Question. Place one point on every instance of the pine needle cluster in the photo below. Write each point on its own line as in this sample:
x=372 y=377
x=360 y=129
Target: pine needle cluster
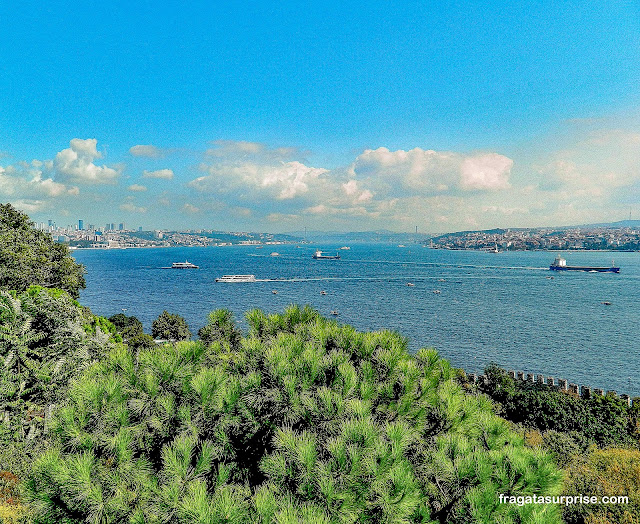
x=301 y=420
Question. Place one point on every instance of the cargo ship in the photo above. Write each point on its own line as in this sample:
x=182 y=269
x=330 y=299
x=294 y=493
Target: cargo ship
x=560 y=264
x=319 y=256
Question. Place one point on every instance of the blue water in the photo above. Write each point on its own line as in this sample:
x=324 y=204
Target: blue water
x=500 y=307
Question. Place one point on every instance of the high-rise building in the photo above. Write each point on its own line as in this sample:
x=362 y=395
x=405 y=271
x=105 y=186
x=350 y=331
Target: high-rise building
x=121 y=226
x=80 y=225
x=139 y=228
x=49 y=222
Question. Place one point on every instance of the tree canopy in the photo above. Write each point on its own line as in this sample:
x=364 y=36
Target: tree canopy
x=170 y=326
x=31 y=257
x=302 y=420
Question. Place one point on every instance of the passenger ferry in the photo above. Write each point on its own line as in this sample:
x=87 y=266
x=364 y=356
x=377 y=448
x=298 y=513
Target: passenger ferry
x=182 y=265
x=236 y=278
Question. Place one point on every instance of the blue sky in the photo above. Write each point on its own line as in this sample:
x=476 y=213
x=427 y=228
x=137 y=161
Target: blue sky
x=336 y=116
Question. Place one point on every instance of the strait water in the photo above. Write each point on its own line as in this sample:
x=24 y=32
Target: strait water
x=500 y=307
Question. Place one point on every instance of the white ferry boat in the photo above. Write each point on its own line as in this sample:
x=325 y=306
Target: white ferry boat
x=236 y=278
x=182 y=265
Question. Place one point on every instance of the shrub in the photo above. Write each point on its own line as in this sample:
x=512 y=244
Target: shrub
x=605 y=472
x=605 y=421
x=303 y=421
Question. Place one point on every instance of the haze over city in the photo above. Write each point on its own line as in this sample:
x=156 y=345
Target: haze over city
x=342 y=117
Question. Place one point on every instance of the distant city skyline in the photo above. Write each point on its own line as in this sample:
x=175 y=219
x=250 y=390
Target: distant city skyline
x=448 y=116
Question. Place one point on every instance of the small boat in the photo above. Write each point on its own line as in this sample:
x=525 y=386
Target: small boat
x=410 y=284
x=606 y=303
x=319 y=256
x=275 y=254
x=323 y=292
x=345 y=248
x=560 y=264
x=274 y=291
x=236 y=278
x=182 y=265
x=334 y=312
x=436 y=291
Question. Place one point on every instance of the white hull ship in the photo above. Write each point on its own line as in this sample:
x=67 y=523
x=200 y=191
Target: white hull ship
x=182 y=265
x=236 y=278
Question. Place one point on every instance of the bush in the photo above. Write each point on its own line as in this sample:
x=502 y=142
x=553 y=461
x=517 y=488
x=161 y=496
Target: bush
x=303 y=421
x=605 y=421
x=605 y=472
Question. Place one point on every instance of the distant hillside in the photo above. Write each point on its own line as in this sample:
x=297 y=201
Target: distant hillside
x=382 y=236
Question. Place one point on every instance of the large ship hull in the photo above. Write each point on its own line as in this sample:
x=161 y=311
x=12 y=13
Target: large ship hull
x=580 y=268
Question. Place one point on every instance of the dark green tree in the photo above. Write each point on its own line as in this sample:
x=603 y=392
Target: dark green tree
x=170 y=326
x=31 y=257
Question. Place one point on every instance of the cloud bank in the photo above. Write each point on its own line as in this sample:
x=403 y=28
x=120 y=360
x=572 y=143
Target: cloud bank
x=592 y=175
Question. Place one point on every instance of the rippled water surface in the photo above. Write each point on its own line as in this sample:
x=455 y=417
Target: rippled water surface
x=473 y=307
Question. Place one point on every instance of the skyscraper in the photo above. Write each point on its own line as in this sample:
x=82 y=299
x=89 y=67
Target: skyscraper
x=81 y=224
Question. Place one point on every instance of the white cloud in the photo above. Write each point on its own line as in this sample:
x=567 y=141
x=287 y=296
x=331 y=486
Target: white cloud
x=351 y=189
x=283 y=217
x=76 y=164
x=26 y=181
x=284 y=181
x=487 y=171
x=231 y=148
x=255 y=151
x=165 y=174
x=190 y=209
x=430 y=172
x=594 y=166
x=148 y=151
x=137 y=187
x=29 y=206
x=130 y=207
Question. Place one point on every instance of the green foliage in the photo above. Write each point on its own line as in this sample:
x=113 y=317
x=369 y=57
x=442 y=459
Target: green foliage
x=170 y=326
x=31 y=257
x=220 y=328
x=131 y=330
x=11 y=510
x=303 y=420
x=44 y=341
x=605 y=472
x=604 y=421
